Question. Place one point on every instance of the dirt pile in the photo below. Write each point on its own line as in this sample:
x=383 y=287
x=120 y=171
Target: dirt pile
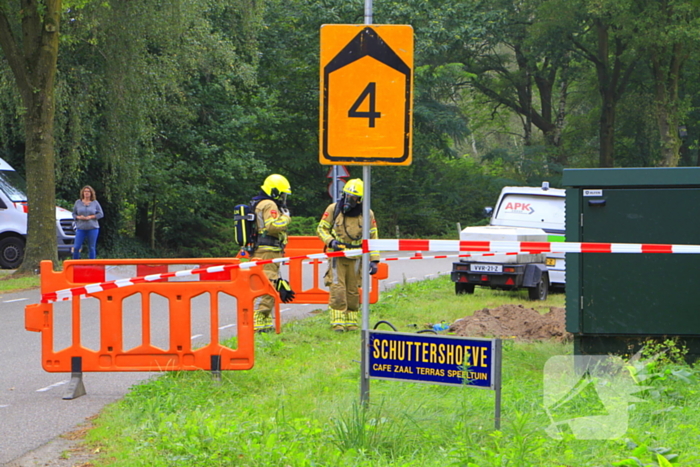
x=514 y=321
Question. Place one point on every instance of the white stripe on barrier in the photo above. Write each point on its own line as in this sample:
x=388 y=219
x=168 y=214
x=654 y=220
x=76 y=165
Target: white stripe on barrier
x=91 y=288
x=123 y=282
x=694 y=249
x=114 y=272
x=618 y=248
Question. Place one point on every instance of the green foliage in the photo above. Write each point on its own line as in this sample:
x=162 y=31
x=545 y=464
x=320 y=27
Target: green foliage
x=303 y=226
x=429 y=197
x=661 y=457
x=659 y=363
x=665 y=352
x=124 y=248
x=176 y=111
x=162 y=122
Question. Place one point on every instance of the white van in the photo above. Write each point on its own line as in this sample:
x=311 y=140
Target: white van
x=522 y=214
x=13 y=220
x=536 y=208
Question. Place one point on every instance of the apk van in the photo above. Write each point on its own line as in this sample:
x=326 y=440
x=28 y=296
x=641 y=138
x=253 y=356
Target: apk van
x=521 y=214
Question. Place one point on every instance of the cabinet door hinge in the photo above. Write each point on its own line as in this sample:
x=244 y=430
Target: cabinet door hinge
x=581 y=304
x=581 y=219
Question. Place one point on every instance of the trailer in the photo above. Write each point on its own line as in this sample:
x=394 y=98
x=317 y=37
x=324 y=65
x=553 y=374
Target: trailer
x=521 y=214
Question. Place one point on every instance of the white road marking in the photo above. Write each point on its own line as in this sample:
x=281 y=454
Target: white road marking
x=54 y=385
x=15 y=300
x=196 y=336
x=284 y=309
x=221 y=328
x=3 y=406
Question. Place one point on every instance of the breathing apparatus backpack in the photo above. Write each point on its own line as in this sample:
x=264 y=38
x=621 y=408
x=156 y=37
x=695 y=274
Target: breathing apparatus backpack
x=245 y=227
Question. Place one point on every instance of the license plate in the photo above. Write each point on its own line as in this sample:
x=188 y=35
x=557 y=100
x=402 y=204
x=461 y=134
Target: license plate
x=486 y=268
x=551 y=262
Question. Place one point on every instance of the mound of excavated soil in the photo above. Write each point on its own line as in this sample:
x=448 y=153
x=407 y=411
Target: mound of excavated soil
x=514 y=321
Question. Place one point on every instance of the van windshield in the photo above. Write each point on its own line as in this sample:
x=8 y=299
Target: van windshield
x=531 y=208
x=13 y=185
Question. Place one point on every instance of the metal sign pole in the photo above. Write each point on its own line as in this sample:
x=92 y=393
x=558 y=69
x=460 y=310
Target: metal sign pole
x=498 y=358
x=366 y=204
x=335 y=190
x=364 y=380
x=368 y=11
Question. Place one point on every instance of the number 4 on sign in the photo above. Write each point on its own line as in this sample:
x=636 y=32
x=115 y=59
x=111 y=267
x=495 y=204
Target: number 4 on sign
x=368 y=94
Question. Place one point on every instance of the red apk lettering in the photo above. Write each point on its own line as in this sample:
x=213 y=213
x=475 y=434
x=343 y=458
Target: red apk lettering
x=518 y=207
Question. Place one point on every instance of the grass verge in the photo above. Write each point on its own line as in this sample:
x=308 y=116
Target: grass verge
x=13 y=283
x=299 y=405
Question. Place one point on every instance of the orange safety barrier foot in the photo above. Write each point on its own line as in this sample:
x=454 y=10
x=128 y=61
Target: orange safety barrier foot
x=216 y=367
x=76 y=388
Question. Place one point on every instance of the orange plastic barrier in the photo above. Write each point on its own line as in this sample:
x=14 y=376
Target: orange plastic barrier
x=301 y=246
x=243 y=285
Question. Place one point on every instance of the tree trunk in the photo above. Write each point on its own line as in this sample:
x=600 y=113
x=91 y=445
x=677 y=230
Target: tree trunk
x=607 y=133
x=143 y=225
x=613 y=77
x=666 y=103
x=153 y=224
x=606 y=88
x=39 y=160
x=668 y=132
x=33 y=63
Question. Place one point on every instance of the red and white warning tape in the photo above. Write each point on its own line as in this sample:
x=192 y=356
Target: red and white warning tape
x=525 y=247
x=83 y=291
x=420 y=255
x=476 y=248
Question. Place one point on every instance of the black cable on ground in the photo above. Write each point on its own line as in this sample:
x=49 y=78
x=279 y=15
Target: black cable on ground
x=385 y=322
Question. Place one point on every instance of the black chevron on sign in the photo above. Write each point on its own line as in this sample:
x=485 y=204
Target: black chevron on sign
x=367 y=43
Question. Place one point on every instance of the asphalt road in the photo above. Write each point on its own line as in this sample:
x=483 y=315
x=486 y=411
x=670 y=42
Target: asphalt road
x=32 y=409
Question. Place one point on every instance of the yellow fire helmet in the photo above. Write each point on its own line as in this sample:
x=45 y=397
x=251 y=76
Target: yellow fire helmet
x=275 y=185
x=355 y=187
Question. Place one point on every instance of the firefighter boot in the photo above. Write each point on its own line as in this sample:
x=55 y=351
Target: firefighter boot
x=337 y=320
x=352 y=322
x=262 y=322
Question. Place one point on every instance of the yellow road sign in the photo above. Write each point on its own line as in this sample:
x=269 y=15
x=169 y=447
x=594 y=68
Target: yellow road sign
x=366 y=111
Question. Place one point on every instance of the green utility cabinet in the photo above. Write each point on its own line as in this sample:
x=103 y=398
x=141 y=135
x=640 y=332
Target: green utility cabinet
x=615 y=301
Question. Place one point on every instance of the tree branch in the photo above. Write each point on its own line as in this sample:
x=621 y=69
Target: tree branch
x=584 y=50
x=14 y=55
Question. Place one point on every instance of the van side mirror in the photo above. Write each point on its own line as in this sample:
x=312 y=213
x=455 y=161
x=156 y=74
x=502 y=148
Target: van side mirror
x=488 y=211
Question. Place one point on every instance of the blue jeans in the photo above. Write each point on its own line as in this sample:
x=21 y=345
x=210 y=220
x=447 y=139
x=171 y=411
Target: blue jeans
x=91 y=236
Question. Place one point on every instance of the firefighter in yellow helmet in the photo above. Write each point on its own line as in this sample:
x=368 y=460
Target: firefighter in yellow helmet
x=273 y=218
x=340 y=228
